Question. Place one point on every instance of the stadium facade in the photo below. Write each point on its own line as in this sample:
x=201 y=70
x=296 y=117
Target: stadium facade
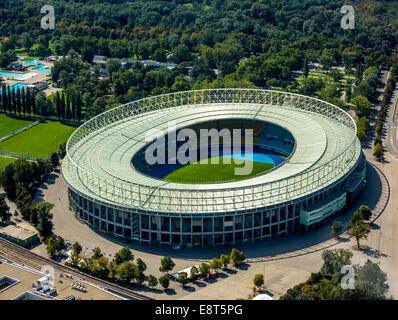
x=324 y=170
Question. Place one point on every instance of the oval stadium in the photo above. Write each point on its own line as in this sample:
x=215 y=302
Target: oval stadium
x=305 y=159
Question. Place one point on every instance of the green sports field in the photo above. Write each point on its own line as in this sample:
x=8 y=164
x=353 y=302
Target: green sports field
x=8 y=124
x=214 y=173
x=4 y=162
x=39 y=141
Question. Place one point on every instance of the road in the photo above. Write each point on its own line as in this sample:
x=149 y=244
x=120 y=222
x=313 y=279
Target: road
x=391 y=126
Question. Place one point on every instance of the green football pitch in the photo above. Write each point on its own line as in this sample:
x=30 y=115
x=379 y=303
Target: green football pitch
x=39 y=141
x=4 y=162
x=8 y=124
x=215 y=173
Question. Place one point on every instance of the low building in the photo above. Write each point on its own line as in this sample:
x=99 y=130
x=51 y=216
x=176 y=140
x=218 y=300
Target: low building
x=23 y=237
x=149 y=63
x=39 y=86
x=21 y=282
x=99 y=59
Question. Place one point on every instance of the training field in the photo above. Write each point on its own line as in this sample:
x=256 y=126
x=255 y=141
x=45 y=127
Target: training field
x=39 y=141
x=215 y=173
x=8 y=124
x=4 y=162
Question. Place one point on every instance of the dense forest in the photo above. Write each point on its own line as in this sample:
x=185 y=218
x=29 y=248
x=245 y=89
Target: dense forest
x=216 y=43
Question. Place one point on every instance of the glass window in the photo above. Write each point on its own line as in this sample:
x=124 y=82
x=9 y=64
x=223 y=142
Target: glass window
x=186 y=225
x=175 y=225
x=218 y=224
x=165 y=224
x=207 y=225
x=248 y=220
x=176 y=239
x=144 y=222
x=257 y=219
x=238 y=222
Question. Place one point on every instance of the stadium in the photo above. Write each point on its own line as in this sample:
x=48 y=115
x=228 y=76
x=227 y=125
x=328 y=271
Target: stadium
x=307 y=163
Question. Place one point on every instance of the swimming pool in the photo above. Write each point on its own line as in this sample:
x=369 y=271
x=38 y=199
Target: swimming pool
x=30 y=63
x=17 y=86
x=17 y=76
x=42 y=68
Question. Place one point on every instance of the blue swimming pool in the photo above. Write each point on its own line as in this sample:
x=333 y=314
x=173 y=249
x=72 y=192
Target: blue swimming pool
x=17 y=76
x=30 y=62
x=42 y=68
x=17 y=85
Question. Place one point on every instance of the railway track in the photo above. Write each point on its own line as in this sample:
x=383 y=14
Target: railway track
x=23 y=256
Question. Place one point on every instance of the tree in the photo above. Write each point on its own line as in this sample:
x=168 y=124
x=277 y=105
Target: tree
x=334 y=260
x=22 y=173
x=356 y=217
x=309 y=86
x=125 y=271
x=164 y=282
x=59 y=244
x=327 y=59
x=97 y=253
x=181 y=53
x=258 y=280
x=371 y=281
x=8 y=182
x=362 y=106
x=44 y=218
x=365 y=212
x=225 y=260
x=336 y=75
x=306 y=70
x=237 y=257
x=182 y=278
x=100 y=267
x=77 y=248
x=378 y=151
x=166 y=265
x=141 y=264
x=363 y=127
x=5 y=214
x=58 y=105
x=360 y=231
x=193 y=273
x=51 y=248
x=74 y=260
x=139 y=275
x=337 y=228
x=54 y=159
x=152 y=281
x=215 y=264
x=204 y=269
x=123 y=255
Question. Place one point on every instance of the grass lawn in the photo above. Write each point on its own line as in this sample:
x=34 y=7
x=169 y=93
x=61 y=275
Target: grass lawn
x=214 y=173
x=8 y=124
x=39 y=141
x=4 y=162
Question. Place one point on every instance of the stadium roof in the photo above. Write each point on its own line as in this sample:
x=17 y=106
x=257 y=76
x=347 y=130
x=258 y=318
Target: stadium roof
x=98 y=162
